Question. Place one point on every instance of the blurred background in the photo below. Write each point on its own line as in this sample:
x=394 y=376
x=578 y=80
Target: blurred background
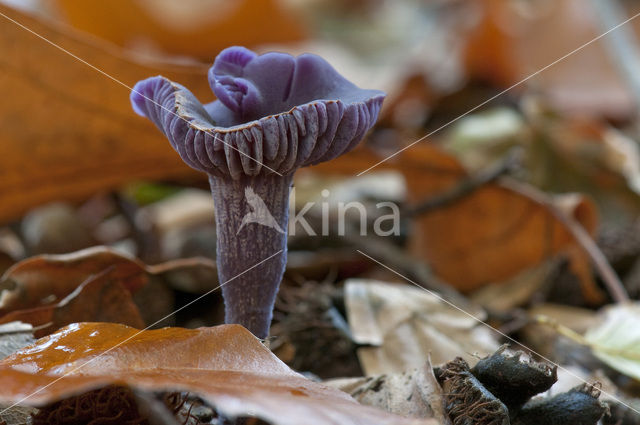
x=526 y=183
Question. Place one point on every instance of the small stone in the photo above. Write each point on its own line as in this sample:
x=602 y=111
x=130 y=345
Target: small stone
x=55 y=229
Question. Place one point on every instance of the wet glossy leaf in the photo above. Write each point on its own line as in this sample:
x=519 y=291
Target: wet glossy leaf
x=225 y=365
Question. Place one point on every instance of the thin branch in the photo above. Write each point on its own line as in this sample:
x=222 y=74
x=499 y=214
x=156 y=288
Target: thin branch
x=606 y=272
x=469 y=185
x=581 y=236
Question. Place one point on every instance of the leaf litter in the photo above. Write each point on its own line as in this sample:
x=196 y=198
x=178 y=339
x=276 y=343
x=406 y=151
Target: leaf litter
x=225 y=365
x=490 y=239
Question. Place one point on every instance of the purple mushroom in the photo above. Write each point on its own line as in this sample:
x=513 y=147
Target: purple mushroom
x=275 y=113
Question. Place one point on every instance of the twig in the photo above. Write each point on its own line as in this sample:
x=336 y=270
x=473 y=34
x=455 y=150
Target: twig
x=582 y=237
x=606 y=272
x=469 y=185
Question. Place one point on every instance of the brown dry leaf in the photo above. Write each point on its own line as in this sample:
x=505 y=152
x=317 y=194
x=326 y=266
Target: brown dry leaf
x=414 y=393
x=225 y=365
x=401 y=325
x=46 y=279
x=488 y=236
x=515 y=39
x=493 y=233
x=189 y=27
x=69 y=131
x=100 y=298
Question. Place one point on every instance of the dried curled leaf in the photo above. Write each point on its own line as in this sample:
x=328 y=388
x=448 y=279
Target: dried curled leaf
x=400 y=325
x=46 y=279
x=99 y=298
x=415 y=393
x=225 y=365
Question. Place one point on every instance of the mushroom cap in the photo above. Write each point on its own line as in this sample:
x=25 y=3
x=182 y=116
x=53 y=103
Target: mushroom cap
x=274 y=113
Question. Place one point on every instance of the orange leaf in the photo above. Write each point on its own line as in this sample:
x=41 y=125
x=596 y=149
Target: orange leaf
x=69 y=131
x=186 y=28
x=225 y=365
x=489 y=235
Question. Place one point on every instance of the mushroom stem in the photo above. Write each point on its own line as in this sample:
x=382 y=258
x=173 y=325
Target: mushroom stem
x=252 y=214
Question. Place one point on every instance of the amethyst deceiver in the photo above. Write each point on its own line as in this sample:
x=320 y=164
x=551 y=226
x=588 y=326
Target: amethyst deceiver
x=275 y=113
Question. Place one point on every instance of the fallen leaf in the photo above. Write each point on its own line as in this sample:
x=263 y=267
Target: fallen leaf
x=488 y=236
x=593 y=156
x=491 y=234
x=68 y=130
x=544 y=340
x=100 y=298
x=225 y=365
x=489 y=51
x=401 y=325
x=189 y=28
x=515 y=39
x=46 y=279
x=414 y=393
x=613 y=336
